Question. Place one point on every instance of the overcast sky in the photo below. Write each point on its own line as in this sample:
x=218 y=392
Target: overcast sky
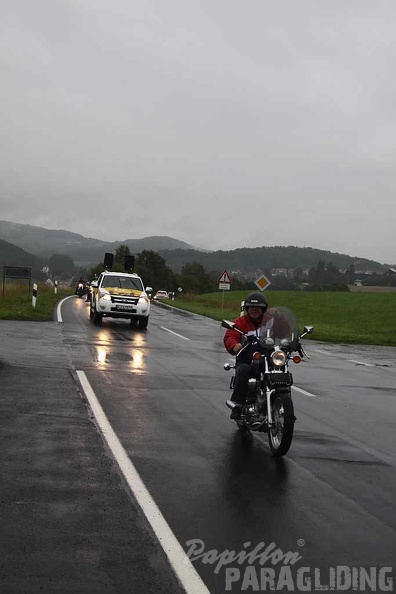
x=223 y=123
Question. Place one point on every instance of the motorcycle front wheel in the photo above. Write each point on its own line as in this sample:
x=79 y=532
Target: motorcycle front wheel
x=280 y=435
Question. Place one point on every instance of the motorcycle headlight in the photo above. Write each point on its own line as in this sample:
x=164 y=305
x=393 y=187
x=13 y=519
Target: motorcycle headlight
x=278 y=358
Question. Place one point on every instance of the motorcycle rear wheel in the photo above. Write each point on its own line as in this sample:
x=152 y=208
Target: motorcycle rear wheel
x=281 y=434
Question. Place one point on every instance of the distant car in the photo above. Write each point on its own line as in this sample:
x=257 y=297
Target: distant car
x=161 y=295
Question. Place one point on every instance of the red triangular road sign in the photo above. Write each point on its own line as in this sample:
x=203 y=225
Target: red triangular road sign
x=224 y=278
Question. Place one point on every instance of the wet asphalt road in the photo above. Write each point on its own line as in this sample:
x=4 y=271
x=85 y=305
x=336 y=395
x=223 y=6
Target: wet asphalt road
x=68 y=521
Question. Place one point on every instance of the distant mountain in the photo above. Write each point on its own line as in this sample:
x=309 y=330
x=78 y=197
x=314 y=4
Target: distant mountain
x=84 y=251
x=12 y=255
x=264 y=259
x=156 y=243
x=44 y=242
x=87 y=252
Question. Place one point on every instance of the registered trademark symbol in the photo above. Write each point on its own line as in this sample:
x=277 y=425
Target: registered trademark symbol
x=301 y=542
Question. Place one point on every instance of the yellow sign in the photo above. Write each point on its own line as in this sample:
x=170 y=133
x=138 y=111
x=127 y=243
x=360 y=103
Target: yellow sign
x=262 y=282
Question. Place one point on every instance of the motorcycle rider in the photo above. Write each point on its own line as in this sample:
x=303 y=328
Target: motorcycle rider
x=250 y=323
x=81 y=281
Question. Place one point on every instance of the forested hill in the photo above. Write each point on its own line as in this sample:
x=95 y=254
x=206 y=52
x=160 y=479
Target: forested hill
x=11 y=255
x=88 y=252
x=265 y=259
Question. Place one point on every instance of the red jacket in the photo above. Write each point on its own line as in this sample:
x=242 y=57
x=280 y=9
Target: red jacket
x=278 y=325
x=246 y=325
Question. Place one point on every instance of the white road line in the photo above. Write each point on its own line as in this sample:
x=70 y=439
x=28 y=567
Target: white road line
x=180 y=563
x=361 y=363
x=303 y=392
x=58 y=309
x=327 y=353
x=175 y=333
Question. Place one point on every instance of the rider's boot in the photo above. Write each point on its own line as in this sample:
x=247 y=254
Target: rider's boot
x=236 y=412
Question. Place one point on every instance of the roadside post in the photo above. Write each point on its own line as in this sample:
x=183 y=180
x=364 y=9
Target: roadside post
x=56 y=287
x=34 y=295
x=224 y=281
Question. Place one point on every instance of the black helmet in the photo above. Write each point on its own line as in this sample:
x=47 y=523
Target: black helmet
x=256 y=300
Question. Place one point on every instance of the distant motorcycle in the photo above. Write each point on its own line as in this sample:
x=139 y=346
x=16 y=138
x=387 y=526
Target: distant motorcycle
x=269 y=407
x=80 y=290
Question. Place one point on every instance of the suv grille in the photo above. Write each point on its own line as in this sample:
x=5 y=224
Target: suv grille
x=125 y=300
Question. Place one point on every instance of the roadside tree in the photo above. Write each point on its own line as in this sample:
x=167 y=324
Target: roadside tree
x=152 y=268
x=195 y=279
x=61 y=266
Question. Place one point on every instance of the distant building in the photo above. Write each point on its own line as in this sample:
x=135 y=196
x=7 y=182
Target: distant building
x=280 y=271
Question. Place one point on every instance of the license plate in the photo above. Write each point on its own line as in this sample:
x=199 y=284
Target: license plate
x=124 y=307
x=279 y=379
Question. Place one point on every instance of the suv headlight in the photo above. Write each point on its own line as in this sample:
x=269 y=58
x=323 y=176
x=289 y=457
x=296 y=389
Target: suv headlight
x=143 y=300
x=105 y=296
x=278 y=358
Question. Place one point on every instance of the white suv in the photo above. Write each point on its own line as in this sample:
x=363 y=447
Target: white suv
x=120 y=295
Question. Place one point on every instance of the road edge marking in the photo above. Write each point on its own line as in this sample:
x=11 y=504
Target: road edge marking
x=303 y=392
x=180 y=563
x=59 y=318
x=175 y=333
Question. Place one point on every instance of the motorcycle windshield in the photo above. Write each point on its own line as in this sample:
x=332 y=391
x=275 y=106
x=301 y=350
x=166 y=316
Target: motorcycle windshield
x=280 y=323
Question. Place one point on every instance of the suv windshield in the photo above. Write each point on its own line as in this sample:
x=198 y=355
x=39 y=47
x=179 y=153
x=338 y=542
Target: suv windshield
x=122 y=282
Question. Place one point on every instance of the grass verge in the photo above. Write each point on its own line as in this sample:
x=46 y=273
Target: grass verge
x=16 y=303
x=349 y=318
x=345 y=318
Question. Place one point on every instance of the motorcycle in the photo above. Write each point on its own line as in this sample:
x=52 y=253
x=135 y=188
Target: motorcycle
x=269 y=407
x=80 y=290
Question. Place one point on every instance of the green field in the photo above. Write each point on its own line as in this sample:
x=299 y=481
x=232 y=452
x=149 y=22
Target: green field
x=349 y=318
x=16 y=303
